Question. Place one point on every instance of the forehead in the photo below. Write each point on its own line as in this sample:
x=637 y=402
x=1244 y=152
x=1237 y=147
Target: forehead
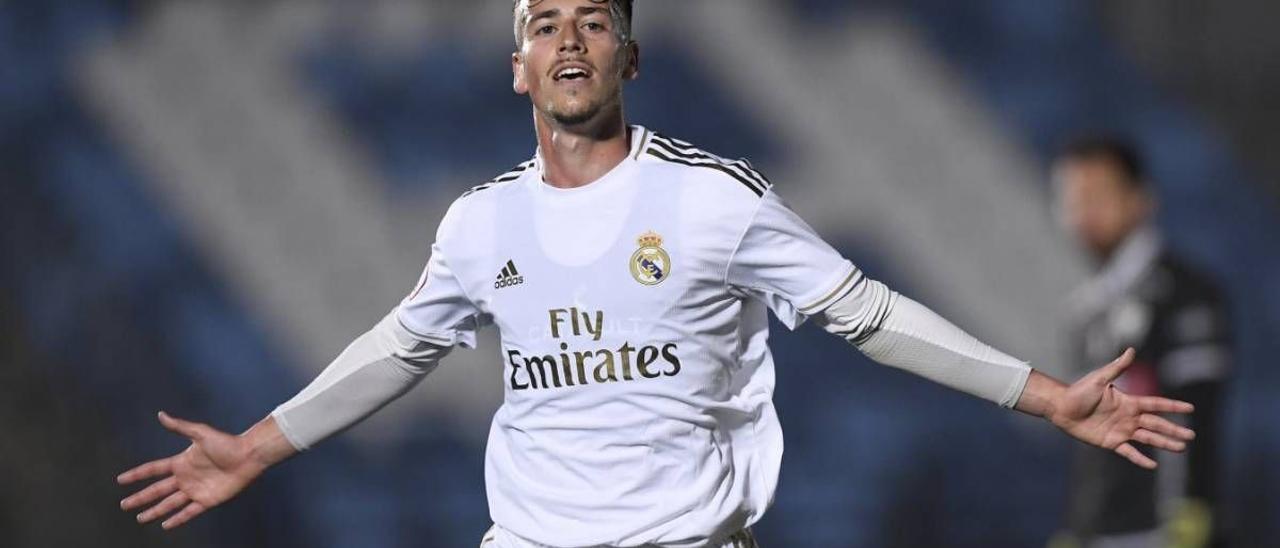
x=523 y=8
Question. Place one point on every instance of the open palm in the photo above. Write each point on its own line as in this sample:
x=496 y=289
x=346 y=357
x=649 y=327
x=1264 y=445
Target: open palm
x=1093 y=410
x=215 y=468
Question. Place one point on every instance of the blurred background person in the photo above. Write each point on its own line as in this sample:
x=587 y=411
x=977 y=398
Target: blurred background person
x=1142 y=296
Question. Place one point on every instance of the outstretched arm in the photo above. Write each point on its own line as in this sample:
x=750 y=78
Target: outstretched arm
x=375 y=369
x=781 y=260
x=896 y=331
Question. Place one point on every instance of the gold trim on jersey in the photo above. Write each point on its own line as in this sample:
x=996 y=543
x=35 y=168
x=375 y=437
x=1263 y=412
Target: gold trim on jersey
x=833 y=295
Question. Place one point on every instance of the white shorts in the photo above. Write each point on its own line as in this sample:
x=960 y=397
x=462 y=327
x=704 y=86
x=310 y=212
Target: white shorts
x=497 y=537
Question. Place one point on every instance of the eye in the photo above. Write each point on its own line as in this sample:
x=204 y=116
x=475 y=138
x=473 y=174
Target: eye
x=545 y=29
x=594 y=26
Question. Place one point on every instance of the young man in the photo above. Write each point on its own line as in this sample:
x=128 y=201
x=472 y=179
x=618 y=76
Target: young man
x=630 y=276
x=1141 y=297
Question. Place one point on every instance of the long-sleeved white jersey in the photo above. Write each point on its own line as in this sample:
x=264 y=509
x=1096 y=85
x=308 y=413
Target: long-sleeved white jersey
x=633 y=316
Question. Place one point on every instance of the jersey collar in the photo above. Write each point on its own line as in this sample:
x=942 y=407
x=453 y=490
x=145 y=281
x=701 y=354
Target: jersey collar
x=639 y=136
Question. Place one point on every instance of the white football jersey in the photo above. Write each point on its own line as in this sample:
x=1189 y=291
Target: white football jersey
x=632 y=313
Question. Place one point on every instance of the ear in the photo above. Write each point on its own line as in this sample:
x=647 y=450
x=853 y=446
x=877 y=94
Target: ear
x=518 y=83
x=632 y=71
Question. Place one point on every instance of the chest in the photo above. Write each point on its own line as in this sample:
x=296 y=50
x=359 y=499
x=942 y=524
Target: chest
x=603 y=270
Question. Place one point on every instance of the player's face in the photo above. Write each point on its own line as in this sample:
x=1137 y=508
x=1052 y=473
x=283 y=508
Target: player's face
x=572 y=62
x=1096 y=206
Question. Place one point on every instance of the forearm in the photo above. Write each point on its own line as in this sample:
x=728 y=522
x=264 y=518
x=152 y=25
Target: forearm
x=896 y=331
x=378 y=367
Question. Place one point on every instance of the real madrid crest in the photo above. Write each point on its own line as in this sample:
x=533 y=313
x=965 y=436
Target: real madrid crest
x=650 y=264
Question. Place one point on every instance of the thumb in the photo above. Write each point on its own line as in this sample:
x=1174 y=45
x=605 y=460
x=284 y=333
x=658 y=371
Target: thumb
x=1112 y=371
x=187 y=429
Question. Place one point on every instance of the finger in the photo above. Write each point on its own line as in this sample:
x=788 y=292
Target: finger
x=1113 y=370
x=166 y=506
x=1153 y=439
x=1127 y=451
x=192 y=430
x=1154 y=404
x=1161 y=425
x=192 y=510
x=149 y=495
x=158 y=467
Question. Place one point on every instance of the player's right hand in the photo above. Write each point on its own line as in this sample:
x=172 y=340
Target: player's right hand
x=215 y=468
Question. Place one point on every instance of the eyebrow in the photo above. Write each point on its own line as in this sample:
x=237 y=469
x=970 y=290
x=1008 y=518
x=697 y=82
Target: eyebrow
x=555 y=12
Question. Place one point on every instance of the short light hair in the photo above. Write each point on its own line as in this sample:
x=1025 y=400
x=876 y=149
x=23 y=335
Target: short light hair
x=619 y=11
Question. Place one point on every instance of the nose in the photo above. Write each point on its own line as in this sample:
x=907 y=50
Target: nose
x=571 y=42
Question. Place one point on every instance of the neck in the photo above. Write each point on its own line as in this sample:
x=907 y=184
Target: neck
x=574 y=156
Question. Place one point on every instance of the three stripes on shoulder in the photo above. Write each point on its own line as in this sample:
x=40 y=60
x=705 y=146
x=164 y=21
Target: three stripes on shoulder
x=674 y=151
x=680 y=152
x=507 y=177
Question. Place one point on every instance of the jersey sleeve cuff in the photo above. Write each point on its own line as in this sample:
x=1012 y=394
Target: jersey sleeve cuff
x=1019 y=384
x=831 y=290
x=285 y=428
x=839 y=284
x=465 y=338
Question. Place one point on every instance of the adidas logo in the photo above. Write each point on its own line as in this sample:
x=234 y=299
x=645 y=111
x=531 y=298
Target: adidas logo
x=508 y=277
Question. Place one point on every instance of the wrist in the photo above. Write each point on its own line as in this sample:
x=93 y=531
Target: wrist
x=259 y=459
x=1041 y=397
x=266 y=446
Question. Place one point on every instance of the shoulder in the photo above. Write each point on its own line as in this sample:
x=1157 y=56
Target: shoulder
x=727 y=178
x=473 y=206
x=490 y=190
x=505 y=179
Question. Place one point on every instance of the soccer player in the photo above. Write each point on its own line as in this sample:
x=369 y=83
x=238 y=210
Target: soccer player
x=630 y=276
x=1142 y=296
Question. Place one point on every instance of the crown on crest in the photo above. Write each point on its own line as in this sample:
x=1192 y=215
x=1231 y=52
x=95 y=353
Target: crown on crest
x=649 y=239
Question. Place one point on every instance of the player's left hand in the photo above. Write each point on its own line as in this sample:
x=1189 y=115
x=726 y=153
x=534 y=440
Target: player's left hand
x=1095 y=411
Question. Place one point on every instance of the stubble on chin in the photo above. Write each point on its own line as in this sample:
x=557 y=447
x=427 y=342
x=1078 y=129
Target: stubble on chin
x=579 y=114
x=580 y=109
x=574 y=110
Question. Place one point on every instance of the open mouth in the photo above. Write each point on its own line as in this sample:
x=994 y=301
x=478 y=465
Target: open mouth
x=572 y=74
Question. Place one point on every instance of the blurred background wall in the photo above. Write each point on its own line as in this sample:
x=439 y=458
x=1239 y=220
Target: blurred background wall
x=201 y=203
